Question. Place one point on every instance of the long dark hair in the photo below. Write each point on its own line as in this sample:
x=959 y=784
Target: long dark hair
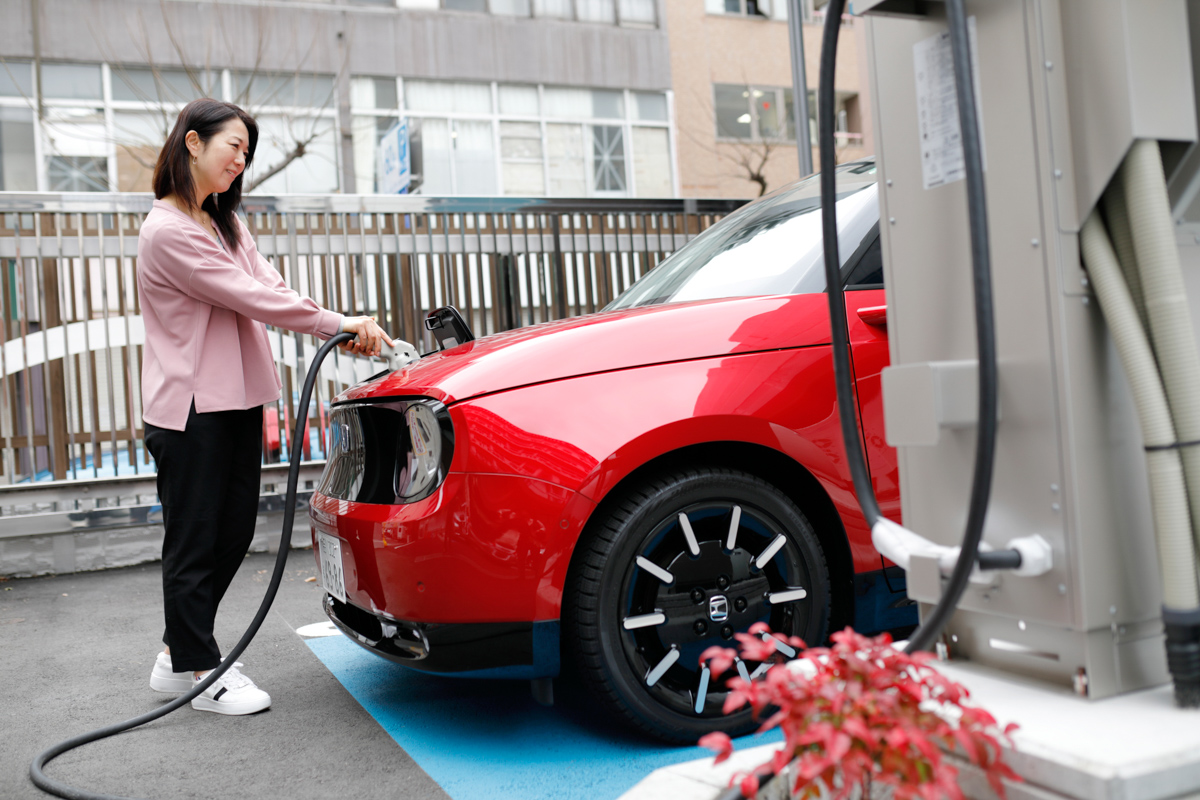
x=172 y=174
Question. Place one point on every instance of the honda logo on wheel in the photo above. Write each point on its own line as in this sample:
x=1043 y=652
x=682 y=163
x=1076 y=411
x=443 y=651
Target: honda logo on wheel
x=718 y=608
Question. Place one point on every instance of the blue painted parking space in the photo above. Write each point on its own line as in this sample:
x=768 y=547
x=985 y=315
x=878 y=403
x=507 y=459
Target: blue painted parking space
x=485 y=739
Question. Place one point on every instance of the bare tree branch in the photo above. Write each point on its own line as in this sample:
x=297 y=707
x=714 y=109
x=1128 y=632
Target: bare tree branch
x=300 y=129
x=297 y=152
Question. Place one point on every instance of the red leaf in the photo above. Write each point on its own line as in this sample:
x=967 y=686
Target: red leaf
x=719 y=658
x=838 y=746
x=857 y=728
x=750 y=785
x=967 y=744
x=734 y=700
x=719 y=743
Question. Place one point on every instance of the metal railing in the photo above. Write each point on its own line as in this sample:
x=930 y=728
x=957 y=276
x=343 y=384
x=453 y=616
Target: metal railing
x=71 y=338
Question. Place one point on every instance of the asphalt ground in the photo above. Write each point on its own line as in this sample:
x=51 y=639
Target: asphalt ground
x=76 y=652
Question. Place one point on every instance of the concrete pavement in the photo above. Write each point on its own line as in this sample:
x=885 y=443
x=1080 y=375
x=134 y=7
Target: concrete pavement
x=76 y=652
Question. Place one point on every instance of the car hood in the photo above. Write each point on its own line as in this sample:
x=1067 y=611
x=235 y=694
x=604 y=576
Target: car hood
x=607 y=341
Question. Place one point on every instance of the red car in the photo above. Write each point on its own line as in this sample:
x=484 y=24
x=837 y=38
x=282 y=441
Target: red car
x=627 y=488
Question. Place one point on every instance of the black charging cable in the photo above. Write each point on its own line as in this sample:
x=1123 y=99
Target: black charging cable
x=54 y=787
x=985 y=332
x=985 y=339
x=985 y=329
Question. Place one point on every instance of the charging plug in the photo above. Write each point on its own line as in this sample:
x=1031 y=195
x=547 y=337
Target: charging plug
x=399 y=356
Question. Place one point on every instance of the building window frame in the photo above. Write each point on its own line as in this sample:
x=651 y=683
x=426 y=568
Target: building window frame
x=495 y=117
x=783 y=104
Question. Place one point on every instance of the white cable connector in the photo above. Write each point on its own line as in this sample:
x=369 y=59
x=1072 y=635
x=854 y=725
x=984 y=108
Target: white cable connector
x=400 y=356
x=1036 y=556
x=898 y=544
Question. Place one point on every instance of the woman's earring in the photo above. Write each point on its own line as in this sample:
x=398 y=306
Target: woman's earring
x=193 y=161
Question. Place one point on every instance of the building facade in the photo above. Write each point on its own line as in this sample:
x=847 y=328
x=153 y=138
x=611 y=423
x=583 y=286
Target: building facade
x=732 y=81
x=511 y=97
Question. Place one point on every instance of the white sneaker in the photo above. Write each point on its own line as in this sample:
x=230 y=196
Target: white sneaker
x=164 y=679
x=233 y=693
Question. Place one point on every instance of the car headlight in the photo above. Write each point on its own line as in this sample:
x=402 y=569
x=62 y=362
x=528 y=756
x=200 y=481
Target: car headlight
x=392 y=451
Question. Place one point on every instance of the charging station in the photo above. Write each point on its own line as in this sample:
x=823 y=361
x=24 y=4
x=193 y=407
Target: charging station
x=1064 y=90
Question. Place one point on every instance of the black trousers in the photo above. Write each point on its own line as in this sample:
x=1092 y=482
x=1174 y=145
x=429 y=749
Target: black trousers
x=208 y=483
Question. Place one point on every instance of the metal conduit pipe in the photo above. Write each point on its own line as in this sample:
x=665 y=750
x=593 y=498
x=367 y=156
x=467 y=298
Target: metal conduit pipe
x=1168 y=493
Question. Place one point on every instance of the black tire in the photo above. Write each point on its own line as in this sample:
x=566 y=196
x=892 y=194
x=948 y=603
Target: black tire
x=617 y=590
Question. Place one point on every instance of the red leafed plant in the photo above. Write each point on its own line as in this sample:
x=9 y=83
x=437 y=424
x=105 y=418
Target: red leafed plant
x=861 y=712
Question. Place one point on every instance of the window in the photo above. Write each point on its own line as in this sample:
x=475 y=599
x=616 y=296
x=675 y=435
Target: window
x=380 y=93
x=608 y=159
x=17 y=162
x=760 y=112
x=518 y=100
x=637 y=12
x=315 y=173
x=568 y=176
x=474 y=157
x=732 y=107
x=750 y=8
x=864 y=268
x=16 y=79
x=453 y=156
x=772 y=246
x=596 y=11
x=103 y=128
x=365 y=133
x=521 y=154
x=162 y=85
x=465 y=5
x=468 y=98
x=511 y=8
x=77 y=174
x=560 y=9
x=766 y=107
x=77 y=149
x=601 y=103
x=71 y=81
x=650 y=106
x=280 y=89
x=652 y=162
x=139 y=137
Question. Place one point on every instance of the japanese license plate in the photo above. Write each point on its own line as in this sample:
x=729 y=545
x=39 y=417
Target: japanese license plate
x=332 y=579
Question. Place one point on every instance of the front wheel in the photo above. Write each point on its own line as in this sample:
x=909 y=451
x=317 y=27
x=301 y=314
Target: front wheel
x=681 y=563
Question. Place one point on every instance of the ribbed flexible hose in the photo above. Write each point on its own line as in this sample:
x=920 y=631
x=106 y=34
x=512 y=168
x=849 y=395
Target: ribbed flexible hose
x=1166 y=303
x=1117 y=215
x=1168 y=494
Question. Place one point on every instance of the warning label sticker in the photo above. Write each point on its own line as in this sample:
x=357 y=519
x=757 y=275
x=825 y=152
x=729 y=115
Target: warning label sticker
x=937 y=108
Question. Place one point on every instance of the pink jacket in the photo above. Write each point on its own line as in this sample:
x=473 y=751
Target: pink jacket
x=204 y=309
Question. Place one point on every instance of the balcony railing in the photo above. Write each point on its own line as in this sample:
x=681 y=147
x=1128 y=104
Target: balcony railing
x=72 y=334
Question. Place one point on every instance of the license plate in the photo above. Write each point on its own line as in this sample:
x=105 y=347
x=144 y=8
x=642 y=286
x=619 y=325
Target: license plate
x=332 y=579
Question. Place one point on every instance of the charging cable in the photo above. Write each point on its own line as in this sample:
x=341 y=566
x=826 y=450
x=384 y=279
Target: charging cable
x=60 y=789
x=884 y=530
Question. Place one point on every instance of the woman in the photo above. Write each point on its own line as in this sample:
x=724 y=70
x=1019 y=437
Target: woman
x=207 y=371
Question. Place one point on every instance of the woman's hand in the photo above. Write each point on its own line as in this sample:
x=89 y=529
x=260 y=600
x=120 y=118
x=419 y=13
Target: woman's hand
x=370 y=337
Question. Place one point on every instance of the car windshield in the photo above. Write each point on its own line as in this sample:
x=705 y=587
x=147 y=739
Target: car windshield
x=771 y=246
